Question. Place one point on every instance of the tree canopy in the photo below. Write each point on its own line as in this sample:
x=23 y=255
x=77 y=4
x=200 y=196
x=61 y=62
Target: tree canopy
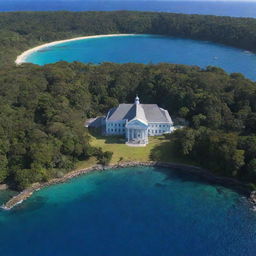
x=43 y=109
x=20 y=31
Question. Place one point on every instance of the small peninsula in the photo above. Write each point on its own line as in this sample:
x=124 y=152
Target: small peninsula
x=127 y=133
x=52 y=101
x=44 y=107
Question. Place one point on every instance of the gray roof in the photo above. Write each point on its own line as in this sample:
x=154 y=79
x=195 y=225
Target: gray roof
x=149 y=113
x=123 y=111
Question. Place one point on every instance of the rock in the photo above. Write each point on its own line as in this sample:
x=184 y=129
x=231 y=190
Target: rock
x=253 y=197
x=3 y=186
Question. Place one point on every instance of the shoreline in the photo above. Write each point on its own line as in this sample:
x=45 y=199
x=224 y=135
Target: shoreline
x=200 y=172
x=22 y=57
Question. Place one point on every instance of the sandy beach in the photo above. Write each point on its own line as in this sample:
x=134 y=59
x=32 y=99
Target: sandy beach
x=22 y=58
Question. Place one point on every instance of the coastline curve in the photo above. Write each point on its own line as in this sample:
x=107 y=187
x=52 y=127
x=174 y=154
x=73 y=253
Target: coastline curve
x=202 y=173
x=22 y=57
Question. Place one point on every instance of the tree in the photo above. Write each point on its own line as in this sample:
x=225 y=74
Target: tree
x=237 y=161
x=104 y=158
x=185 y=140
x=252 y=168
x=183 y=112
x=3 y=168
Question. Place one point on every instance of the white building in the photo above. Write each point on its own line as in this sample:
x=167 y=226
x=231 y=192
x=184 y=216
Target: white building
x=138 y=121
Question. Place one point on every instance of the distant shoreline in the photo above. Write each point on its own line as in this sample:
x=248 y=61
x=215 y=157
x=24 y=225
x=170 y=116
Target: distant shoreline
x=22 y=57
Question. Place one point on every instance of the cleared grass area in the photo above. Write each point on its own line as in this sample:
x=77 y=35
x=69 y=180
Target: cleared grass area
x=85 y=164
x=161 y=148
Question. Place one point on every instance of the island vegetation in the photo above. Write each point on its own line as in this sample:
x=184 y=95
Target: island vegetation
x=43 y=109
x=20 y=31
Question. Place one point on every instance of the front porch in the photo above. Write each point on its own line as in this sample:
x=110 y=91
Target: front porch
x=137 y=136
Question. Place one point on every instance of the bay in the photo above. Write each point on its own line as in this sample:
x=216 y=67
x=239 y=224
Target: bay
x=131 y=211
x=150 y=49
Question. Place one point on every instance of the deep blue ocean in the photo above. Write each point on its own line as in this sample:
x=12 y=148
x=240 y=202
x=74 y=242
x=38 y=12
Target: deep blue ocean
x=135 y=211
x=131 y=212
x=150 y=49
x=225 y=8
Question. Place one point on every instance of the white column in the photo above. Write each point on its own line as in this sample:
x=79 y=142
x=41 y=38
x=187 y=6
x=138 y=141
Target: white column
x=128 y=134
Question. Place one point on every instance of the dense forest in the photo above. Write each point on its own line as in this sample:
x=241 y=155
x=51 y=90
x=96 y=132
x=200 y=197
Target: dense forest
x=20 y=31
x=43 y=109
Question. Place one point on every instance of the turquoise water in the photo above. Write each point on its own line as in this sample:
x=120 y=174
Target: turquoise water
x=134 y=212
x=150 y=49
x=5 y=195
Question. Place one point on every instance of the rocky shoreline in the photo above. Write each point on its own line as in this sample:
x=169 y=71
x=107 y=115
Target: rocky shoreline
x=202 y=173
x=3 y=187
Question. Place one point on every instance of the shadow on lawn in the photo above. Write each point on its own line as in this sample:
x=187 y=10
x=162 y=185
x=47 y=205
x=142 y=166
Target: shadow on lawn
x=166 y=152
x=97 y=133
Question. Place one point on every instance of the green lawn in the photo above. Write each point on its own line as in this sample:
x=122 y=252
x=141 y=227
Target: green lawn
x=86 y=163
x=162 y=149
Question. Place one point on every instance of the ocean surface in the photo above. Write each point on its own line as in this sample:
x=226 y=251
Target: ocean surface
x=142 y=211
x=224 y=8
x=150 y=49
